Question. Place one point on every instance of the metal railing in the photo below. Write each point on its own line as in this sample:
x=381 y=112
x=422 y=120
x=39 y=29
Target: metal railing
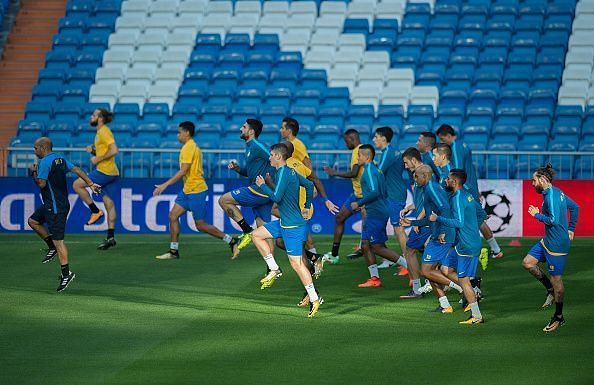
x=162 y=163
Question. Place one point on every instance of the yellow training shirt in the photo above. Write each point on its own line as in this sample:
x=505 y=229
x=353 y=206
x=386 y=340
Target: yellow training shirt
x=299 y=150
x=194 y=179
x=103 y=139
x=302 y=170
x=357 y=179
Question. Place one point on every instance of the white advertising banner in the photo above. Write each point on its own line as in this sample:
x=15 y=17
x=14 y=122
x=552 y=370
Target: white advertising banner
x=503 y=202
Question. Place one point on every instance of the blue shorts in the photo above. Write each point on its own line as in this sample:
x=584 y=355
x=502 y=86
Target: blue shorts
x=293 y=236
x=451 y=259
x=466 y=266
x=436 y=252
x=196 y=203
x=110 y=184
x=352 y=198
x=374 y=230
x=556 y=263
x=260 y=205
x=395 y=207
x=417 y=241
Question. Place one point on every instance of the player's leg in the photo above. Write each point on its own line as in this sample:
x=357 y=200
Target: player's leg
x=229 y=202
x=556 y=266
x=444 y=304
x=373 y=231
x=371 y=261
x=111 y=222
x=178 y=209
x=36 y=221
x=261 y=237
x=297 y=263
x=530 y=263
x=466 y=269
x=342 y=216
x=57 y=226
x=80 y=187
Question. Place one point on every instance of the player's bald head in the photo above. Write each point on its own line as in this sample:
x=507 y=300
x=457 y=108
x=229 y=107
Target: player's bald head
x=424 y=170
x=44 y=143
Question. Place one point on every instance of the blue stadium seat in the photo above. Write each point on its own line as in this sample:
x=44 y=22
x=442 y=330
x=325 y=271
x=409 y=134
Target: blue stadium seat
x=126 y=112
x=336 y=97
x=331 y=116
x=307 y=97
x=284 y=78
x=225 y=79
x=38 y=111
x=237 y=42
x=155 y=113
x=313 y=79
x=74 y=94
x=360 y=115
x=197 y=77
x=266 y=43
x=304 y=114
x=258 y=60
x=501 y=166
x=356 y=26
x=45 y=94
x=185 y=111
x=254 y=78
x=208 y=43
x=67 y=111
x=60 y=132
x=51 y=77
x=220 y=96
x=250 y=96
x=190 y=95
x=277 y=97
x=272 y=114
x=289 y=62
x=214 y=114
x=66 y=41
x=209 y=132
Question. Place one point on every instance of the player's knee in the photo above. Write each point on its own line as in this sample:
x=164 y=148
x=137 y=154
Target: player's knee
x=224 y=200
x=32 y=222
x=173 y=217
x=528 y=263
x=200 y=225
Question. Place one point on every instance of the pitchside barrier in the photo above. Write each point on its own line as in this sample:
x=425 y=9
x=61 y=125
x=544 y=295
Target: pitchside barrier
x=505 y=200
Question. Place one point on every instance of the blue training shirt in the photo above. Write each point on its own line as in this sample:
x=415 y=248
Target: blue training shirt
x=256 y=163
x=427 y=158
x=554 y=217
x=436 y=200
x=53 y=169
x=373 y=187
x=418 y=198
x=392 y=166
x=464 y=220
x=286 y=195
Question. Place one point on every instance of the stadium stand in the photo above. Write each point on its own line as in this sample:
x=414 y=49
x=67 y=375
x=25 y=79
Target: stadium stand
x=508 y=75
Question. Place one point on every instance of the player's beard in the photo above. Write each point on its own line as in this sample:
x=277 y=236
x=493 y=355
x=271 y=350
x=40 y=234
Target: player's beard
x=94 y=123
x=449 y=188
x=538 y=189
x=243 y=136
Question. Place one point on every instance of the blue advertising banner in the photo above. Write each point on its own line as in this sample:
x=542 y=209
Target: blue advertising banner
x=140 y=212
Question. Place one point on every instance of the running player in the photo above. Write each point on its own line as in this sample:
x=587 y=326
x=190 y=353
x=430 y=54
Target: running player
x=106 y=174
x=468 y=245
x=441 y=240
x=352 y=142
x=462 y=158
x=418 y=236
x=50 y=176
x=289 y=130
x=375 y=202
x=292 y=225
x=392 y=166
x=193 y=195
x=554 y=247
x=425 y=144
x=256 y=163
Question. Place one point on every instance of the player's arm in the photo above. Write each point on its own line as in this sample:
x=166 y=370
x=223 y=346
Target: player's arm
x=348 y=174
x=422 y=220
x=307 y=163
x=322 y=191
x=387 y=160
x=112 y=150
x=183 y=170
x=83 y=175
x=233 y=165
x=280 y=189
x=574 y=210
x=309 y=188
x=554 y=209
x=457 y=220
x=373 y=194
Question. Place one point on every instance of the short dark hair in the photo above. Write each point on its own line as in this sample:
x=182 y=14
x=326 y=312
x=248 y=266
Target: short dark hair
x=282 y=149
x=255 y=125
x=105 y=115
x=351 y=131
x=459 y=175
x=291 y=124
x=444 y=149
x=429 y=138
x=368 y=147
x=386 y=132
x=446 y=129
x=413 y=153
x=546 y=171
x=189 y=127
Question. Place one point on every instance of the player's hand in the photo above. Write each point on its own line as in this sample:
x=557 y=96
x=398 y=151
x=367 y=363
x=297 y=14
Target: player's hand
x=33 y=170
x=306 y=213
x=268 y=179
x=432 y=217
x=260 y=180
x=416 y=229
x=90 y=149
x=404 y=221
x=329 y=170
x=95 y=160
x=96 y=188
x=159 y=188
x=441 y=238
x=332 y=207
x=533 y=210
x=571 y=234
x=355 y=206
x=233 y=166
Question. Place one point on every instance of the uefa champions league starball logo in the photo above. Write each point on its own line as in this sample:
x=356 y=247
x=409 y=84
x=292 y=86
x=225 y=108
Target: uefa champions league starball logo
x=498 y=208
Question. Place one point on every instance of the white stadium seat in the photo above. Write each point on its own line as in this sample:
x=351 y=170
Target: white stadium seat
x=163 y=6
x=134 y=23
x=192 y=7
x=304 y=8
x=135 y=7
x=124 y=39
x=158 y=23
x=219 y=8
x=248 y=8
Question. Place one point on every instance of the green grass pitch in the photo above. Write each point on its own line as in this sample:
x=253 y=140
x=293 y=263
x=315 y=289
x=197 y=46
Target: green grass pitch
x=129 y=319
